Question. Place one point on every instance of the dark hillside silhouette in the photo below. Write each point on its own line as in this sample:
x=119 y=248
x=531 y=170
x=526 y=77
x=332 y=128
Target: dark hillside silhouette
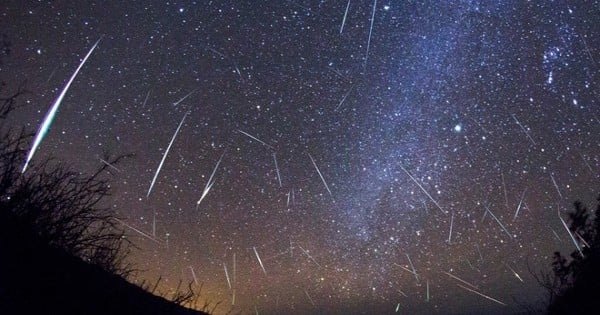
x=36 y=278
x=61 y=251
x=574 y=286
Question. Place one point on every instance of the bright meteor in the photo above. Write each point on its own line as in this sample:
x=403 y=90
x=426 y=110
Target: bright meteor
x=45 y=126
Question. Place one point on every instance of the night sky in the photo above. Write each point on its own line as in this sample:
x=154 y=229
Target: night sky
x=367 y=154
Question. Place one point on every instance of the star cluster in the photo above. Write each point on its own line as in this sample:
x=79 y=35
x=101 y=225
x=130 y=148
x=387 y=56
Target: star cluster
x=336 y=156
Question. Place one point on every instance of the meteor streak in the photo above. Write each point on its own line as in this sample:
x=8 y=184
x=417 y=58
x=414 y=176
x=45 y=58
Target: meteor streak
x=451 y=224
x=110 y=165
x=165 y=156
x=277 y=169
x=523 y=129
x=138 y=231
x=370 y=32
x=499 y=223
x=194 y=275
x=514 y=272
x=461 y=280
x=210 y=182
x=344 y=98
x=146 y=99
x=570 y=234
x=259 y=261
x=555 y=185
x=320 y=175
x=520 y=203
x=309 y=256
x=227 y=276
x=45 y=126
x=413 y=268
x=423 y=189
x=481 y=294
x=255 y=138
x=344 y=19
x=183 y=98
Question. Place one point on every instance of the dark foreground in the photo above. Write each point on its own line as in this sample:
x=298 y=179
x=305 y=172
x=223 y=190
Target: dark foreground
x=38 y=279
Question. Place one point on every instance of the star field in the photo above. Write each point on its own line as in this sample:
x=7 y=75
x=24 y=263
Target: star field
x=335 y=156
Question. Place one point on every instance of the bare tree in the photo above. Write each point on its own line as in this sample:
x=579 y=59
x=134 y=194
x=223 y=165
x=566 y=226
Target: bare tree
x=574 y=281
x=62 y=207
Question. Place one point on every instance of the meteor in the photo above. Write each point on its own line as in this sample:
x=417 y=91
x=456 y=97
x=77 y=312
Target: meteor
x=255 y=138
x=165 y=156
x=344 y=19
x=370 y=32
x=259 y=261
x=210 y=182
x=277 y=169
x=423 y=189
x=227 y=275
x=183 y=98
x=481 y=294
x=45 y=126
x=320 y=175
x=570 y=234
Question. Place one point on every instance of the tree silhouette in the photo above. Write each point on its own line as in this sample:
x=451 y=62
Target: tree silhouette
x=60 y=206
x=574 y=285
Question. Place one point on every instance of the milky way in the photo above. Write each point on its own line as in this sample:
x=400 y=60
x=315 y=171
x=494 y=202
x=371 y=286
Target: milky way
x=336 y=156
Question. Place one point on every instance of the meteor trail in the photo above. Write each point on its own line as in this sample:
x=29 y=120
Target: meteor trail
x=277 y=169
x=570 y=234
x=259 y=261
x=183 y=98
x=504 y=188
x=423 y=189
x=255 y=138
x=321 y=175
x=479 y=251
x=499 y=223
x=165 y=156
x=210 y=182
x=344 y=98
x=110 y=165
x=514 y=272
x=370 y=32
x=523 y=128
x=461 y=280
x=406 y=269
x=413 y=268
x=233 y=268
x=309 y=256
x=450 y=234
x=555 y=185
x=309 y=298
x=237 y=70
x=344 y=19
x=45 y=126
x=481 y=294
x=146 y=99
x=227 y=276
x=52 y=74
x=215 y=51
x=520 y=203
x=194 y=275
x=138 y=231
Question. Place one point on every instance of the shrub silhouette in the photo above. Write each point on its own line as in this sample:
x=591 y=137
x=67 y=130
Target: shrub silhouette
x=574 y=285
x=60 y=206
